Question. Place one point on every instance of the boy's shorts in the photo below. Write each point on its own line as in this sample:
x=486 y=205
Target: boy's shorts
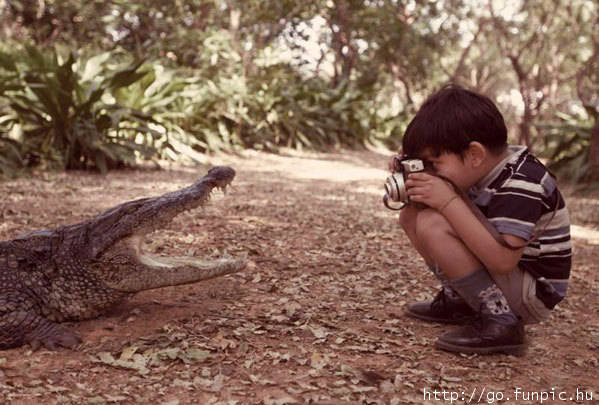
x=519 y=288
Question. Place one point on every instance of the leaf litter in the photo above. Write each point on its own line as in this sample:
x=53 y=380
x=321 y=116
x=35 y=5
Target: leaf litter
x=316 y=318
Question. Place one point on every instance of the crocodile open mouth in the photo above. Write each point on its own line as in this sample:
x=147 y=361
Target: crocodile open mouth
x=117 y=234
x=169 y=262
x=145 y=271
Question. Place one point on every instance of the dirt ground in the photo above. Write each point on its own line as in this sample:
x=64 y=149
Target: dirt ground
x=316 y=318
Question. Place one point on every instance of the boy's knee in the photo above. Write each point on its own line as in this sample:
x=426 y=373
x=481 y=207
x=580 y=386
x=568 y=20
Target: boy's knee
x=407 y=220
x=430 y=224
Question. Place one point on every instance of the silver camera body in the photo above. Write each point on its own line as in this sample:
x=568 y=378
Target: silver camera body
x=395 y=185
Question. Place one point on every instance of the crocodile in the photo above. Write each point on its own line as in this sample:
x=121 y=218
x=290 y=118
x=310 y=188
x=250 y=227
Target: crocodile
x=81 y=271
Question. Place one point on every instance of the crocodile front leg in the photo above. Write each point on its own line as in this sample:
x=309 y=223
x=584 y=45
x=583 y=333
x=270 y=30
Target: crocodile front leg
x=20 y=323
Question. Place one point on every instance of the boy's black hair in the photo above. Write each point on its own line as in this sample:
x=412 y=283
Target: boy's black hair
x=452 y=118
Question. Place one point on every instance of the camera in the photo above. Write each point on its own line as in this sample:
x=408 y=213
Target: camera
x=395 y=185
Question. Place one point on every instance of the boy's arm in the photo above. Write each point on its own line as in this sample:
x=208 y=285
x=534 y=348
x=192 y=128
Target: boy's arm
x=439 y=195
x=496 y=257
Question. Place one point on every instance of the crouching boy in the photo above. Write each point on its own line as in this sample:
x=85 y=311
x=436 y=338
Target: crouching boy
x=492 y=285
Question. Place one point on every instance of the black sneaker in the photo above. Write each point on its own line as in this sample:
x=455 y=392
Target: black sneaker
x=485 y=336
x=442 y=310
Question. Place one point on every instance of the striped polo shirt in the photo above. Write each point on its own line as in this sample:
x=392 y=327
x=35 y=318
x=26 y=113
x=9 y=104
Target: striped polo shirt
x=520 y=197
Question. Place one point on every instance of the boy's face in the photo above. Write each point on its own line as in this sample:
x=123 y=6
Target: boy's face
x=453 y=167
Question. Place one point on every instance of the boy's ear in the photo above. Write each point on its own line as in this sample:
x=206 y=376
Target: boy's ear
x=477 y=153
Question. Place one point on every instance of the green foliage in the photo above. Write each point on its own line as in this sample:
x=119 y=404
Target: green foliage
x=223 y=106
x=11 y=158
x=278 y=108
x=63 y=109
x=231 y=74
x=168 y=96
x=99 y=113
x=567 y=147
x=309 y=114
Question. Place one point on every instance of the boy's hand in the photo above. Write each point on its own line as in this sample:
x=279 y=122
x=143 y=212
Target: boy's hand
x=430 y=190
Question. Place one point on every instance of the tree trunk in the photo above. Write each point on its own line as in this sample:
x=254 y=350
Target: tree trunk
x=524 y=127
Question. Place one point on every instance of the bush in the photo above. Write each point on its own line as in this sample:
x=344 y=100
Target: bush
x=567 y=145
x=63 y=109
x=106 y=111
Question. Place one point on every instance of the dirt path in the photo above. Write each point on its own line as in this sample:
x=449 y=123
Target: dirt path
x=316 y=318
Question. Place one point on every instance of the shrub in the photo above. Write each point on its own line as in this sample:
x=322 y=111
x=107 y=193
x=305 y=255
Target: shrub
x=63 y=109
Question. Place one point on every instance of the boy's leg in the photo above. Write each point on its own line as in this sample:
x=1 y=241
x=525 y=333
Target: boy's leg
x=407 y=220
x=500 y=330
x=519 y=287
x=448 y=306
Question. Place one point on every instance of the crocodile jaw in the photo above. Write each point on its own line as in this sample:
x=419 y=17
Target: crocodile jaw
x=121 y=262
x=147 y=215
x=126 y=268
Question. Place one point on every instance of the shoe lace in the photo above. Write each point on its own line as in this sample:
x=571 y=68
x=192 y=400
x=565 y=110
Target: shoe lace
x=440 y=300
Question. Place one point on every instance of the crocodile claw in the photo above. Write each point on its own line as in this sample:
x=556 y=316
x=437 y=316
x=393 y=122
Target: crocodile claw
x=55 y=339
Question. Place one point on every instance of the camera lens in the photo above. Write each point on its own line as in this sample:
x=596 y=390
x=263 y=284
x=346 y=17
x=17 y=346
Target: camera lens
x=395 y=188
